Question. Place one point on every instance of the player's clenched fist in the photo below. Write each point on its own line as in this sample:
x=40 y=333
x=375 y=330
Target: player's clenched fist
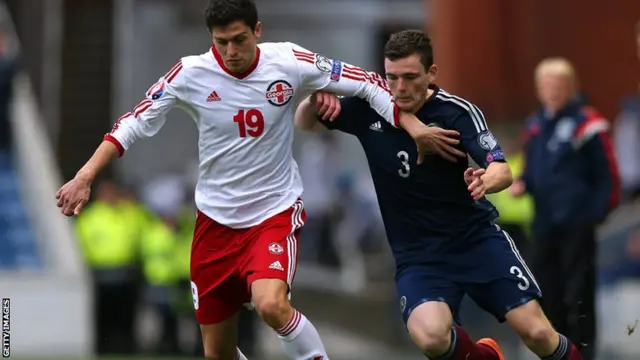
x=73 y=196
x=327 y=105
x=475 y=185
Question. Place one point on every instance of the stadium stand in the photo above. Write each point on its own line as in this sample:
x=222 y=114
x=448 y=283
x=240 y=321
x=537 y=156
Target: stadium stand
x=17 y=239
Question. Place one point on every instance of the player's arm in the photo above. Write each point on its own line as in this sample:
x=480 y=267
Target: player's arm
x=497 y=177
x=307 y=117
x=144 y=120
x=593 y=139
x=317 y=72
x=478 y=141
x=349 y=112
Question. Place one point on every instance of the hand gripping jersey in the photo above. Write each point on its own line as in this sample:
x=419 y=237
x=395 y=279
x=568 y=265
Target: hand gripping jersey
x=247 y=172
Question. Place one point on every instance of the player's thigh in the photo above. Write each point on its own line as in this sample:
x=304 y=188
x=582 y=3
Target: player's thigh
x=274 y=251
x=220 y=339
x=429 y=304
x=505 y=281
x=217 y=288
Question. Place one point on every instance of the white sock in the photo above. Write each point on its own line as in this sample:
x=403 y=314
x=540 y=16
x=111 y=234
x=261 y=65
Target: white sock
x=300 y=339
x=241 y=355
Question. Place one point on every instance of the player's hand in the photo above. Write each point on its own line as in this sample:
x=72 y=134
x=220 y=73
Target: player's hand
x=518 y=188
x=327 y=105
x=74 y=195
x=432 y=139
x=475 y=185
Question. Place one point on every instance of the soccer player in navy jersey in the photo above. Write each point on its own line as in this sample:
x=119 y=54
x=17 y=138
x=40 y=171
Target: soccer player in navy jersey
x=439 y=225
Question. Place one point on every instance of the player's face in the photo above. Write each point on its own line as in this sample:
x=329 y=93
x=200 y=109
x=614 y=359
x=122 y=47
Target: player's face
x=236 y=43
x=409 y=81
x=555 y=91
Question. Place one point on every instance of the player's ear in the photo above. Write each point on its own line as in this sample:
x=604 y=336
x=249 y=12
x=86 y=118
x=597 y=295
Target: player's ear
x=432 y=72
x=257 y=31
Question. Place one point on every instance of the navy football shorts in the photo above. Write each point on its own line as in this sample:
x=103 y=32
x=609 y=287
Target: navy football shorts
x=489 y=270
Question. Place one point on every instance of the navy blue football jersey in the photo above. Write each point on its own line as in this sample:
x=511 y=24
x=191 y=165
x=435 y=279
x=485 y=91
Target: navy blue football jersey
x=427 y=209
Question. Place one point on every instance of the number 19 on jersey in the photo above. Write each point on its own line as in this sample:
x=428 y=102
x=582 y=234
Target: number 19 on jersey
x=250 y=122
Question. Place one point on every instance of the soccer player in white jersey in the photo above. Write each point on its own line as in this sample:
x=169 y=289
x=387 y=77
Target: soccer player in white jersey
x=242 y=97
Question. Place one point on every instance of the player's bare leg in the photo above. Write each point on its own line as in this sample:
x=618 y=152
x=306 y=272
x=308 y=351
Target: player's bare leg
x=299 y=337
x=431 y=328
x=537 y=333
x=220 y=340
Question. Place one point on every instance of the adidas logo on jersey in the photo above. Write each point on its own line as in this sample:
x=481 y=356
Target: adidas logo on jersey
x=377 y=126
x=213 y=97
x=276 y=266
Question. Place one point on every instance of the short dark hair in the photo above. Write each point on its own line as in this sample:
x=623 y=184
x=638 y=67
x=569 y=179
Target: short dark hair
x=224 y=12
x=408 y=42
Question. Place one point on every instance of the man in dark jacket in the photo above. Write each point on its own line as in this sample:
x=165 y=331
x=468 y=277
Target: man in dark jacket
x=8 y=69
x=571 y=173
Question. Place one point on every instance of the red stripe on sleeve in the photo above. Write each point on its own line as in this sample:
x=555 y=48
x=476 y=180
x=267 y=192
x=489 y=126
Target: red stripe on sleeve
x=115 y=142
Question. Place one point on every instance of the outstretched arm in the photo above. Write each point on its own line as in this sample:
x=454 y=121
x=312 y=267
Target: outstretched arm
x=145 y=120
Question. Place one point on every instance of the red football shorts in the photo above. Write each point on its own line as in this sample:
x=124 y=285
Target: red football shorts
x=225 y=261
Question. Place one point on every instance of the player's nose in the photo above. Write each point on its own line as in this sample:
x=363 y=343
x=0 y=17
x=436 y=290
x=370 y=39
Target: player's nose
x=232 y=51
x=401 y=85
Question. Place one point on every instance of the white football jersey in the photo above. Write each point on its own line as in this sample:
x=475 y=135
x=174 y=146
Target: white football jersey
x=247 y=172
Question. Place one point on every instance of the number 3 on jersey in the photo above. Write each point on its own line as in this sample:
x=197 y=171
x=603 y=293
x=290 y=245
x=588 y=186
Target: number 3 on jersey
x=405 y=169
x=250 y=122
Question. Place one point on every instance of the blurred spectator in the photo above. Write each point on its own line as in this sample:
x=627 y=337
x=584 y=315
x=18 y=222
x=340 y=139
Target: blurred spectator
x=319 y=159
x=109 y=245
x=516 y=214
x=627 y=139
x=184 y=301
x=571 y=174
x=8 y=69
x=157 y=247
x=359 y=220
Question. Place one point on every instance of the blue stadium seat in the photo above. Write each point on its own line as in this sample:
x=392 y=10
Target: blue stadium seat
x=17 y=238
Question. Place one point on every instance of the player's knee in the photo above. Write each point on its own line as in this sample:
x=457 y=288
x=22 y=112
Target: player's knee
x=430 y=339
x=539 y=333
x=214 y=351
x=530 y=323
x=429 y=327
x=272 y=305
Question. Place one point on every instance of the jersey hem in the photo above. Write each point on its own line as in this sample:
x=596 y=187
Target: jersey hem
x=286 y=203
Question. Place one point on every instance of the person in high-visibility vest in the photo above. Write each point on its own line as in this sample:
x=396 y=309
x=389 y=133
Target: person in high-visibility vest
x=157 y=248
x=109 y=246
x=182 y=255
x=516 y=214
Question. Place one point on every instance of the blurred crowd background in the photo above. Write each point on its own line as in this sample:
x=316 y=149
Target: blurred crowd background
x=115 y=280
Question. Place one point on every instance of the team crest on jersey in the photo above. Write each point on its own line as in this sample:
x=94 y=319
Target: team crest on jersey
x=156 y=91
x=275 y=249
x=323 y=63
x=565 y=129
x=279 y=93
